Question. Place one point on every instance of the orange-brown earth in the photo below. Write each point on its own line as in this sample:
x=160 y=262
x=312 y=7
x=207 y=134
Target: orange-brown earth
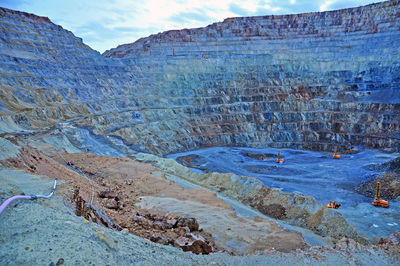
x=137 y=196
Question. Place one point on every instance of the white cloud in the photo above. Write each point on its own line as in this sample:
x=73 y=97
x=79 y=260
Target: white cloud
x=325 y=5
x=104 y=24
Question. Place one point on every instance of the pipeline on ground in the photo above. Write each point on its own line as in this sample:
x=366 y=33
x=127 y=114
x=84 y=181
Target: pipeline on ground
x=31 y=197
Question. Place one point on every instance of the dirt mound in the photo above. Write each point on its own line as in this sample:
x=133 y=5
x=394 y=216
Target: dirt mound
x=193 y=161
x=390 y=180
x=260 y=156
x=391 y=243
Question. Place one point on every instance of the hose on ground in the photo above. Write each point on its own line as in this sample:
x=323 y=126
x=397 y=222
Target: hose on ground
x=31 y=197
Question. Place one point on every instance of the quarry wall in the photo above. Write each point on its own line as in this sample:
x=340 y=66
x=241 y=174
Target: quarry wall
x=309 y=81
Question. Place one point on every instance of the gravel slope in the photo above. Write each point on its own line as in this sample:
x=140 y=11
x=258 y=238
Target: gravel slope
x=43 y=232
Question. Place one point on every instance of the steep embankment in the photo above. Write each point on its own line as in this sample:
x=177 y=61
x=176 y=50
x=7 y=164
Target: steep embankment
x=308 y=81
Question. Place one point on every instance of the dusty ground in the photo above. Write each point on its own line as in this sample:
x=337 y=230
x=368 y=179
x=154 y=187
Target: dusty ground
x=138 y=197
x=45 y=232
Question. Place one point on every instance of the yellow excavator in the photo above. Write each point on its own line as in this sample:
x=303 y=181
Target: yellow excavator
x=333 y=205
x=378 y=202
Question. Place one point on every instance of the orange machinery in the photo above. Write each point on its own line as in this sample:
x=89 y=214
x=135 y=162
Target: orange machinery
x=335 y=155
x=378 y=202
x=279 y=160
x=333 y=205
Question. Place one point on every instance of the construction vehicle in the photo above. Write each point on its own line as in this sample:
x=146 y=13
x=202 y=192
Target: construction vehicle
x=335 y=155
x=279 y=160
x=378 y=202
x=333 y=205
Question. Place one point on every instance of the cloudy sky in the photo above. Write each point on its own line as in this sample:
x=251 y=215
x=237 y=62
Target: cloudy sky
x=104 y=24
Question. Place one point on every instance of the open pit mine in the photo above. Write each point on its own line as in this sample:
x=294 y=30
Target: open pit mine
x=255 y=140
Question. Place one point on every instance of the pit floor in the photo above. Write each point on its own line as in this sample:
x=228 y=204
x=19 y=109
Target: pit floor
x=314 y=174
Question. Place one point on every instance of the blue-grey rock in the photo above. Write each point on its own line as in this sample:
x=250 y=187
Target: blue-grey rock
x=310 y=81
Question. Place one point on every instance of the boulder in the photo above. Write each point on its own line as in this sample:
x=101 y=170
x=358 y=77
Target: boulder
x=108 y=193
x=162 y=225
x=113 y=204
x=191 y=223
x=198 y=247
x=160 y=239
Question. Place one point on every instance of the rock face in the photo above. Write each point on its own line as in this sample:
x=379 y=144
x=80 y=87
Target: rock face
x=311 y=81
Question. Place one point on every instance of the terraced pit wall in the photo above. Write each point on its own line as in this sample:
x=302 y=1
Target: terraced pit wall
x=309 y=81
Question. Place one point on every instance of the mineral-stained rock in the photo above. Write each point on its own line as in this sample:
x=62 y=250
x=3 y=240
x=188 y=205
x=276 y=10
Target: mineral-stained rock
x=181 y=231
x=311 y=81
x=195 y=246
x=191 y=223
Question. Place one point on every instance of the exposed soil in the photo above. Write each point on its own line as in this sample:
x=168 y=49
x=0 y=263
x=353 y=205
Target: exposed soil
x=110 y=191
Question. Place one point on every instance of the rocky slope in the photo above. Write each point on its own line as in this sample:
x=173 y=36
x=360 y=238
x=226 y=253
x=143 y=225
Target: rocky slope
x=308 y=81
x=390 y=181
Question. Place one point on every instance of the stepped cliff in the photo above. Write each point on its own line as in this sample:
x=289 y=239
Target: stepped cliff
x=311 y=81
x=103 y=124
